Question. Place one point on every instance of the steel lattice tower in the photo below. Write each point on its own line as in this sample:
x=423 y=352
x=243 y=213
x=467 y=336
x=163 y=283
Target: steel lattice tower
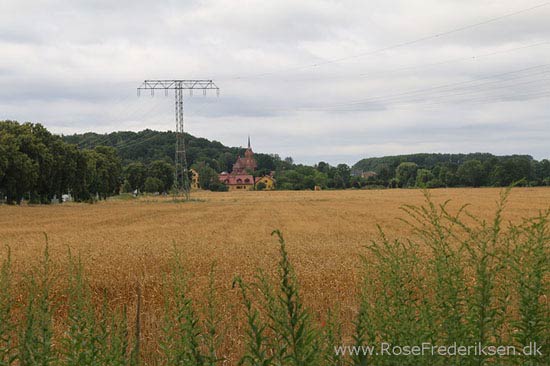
x=181 y=178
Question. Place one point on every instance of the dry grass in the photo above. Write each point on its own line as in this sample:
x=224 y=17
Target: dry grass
x=127 y=242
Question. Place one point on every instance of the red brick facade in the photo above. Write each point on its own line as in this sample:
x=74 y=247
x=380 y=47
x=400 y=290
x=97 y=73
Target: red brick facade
x=240 y=177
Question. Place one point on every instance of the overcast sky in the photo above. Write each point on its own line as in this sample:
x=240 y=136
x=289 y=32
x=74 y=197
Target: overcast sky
x=316 y=80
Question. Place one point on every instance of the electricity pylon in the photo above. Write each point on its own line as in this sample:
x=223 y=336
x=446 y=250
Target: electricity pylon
x=181 y=178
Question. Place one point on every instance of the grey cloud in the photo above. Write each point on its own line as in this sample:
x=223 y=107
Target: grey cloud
x=75 y=66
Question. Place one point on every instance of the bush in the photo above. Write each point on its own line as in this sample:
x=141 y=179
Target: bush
x=218 y=187
x=294 y=338
x=126 y=187
x=435 y=183
x=478 y=283
x=153 y=185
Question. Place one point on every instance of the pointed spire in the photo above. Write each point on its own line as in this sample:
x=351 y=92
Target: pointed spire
x=249 y=141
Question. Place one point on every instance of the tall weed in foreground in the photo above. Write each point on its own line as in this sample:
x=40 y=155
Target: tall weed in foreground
x=212 y=336
x=400 y=313
x=530 y=263
x=186 y=340
x=7 y=343
x=257 y=352
x=36 y=335
x=92 y=338
x=87 y=338
x=284 y=334
x=332 y=335
x=82 y=341
x=459 y=280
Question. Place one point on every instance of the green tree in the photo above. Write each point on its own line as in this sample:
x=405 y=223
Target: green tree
x=385 y=174
x=511 y=170
x=358 y=182
x=290 y=179
x=471 y=173
x=3 y=166
x=109 y=171
x=135 y=174
x=337 y=181
x=38 y=165
x=406 y=174
x=207 y=175
x=152 y=185
x=79 y=187
x=19 y=172
x=265 y=162
x=20 y=176
x=323 y=167
x=126 y=187
x=164 y=171
x=102 y=167
x=446 y=174
x=218 y=187
x=321 y=179
x=225 y=161
x=423 y=176
x=542 y=170
x=344 y=171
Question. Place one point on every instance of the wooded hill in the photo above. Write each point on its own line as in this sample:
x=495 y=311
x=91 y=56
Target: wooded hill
x=451 y=170
x=148 y=156
x=415 y=170
x=147 y=146
x=36 y=165
x=430 y=160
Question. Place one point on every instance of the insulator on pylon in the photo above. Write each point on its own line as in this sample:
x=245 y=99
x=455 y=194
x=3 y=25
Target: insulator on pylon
x=165 y=92
x=190 y=92
x=152 y=92
x=204 y=92
x=138 y=92
x=217 y=92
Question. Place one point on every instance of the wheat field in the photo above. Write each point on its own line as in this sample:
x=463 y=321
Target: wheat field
x=129 y=243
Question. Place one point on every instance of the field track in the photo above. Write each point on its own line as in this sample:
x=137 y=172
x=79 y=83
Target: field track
x=126 y=242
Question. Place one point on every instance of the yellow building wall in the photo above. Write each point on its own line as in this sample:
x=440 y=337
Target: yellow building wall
x=268 y=181
x=194 y=179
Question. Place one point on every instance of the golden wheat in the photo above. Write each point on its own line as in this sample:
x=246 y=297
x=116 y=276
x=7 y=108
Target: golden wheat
x=126 y=243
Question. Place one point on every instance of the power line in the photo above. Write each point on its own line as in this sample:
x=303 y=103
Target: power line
x=444 y=98
x=461 y=86
x=373 y=99
x=501 y=98
x=461 y=90
x=397 y=45
x=127 y=144
x=377 y=73
x=474 y=57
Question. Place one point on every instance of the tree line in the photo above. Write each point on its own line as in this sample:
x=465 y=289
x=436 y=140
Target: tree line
x=148 y=157
x=38 y=166
x=456 y=170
